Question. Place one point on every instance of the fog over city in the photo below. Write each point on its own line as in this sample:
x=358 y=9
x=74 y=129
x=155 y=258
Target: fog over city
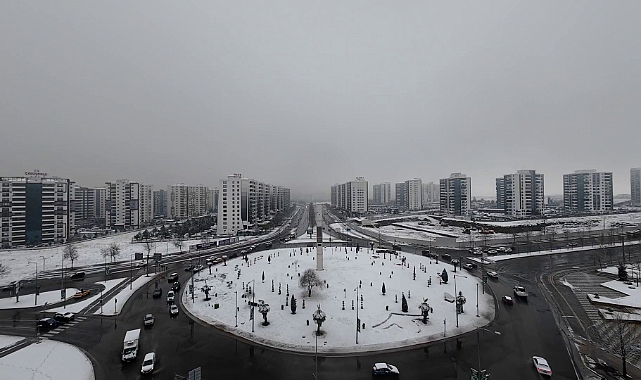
x=307 y=95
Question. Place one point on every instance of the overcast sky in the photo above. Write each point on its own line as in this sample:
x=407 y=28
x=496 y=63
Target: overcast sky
x=307 y=94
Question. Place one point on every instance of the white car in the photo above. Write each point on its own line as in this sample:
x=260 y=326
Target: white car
x=542 y=366
x=149 y=320
x=492 y=274
x=148 y=363
x=170 y=296
x=173 y=310
x=384 y=369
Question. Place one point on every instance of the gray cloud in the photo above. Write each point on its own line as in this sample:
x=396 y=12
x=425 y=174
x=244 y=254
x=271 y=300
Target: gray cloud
x=306 y=95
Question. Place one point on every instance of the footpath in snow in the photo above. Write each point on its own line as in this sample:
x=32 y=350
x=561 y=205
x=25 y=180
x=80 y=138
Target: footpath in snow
x=351 y=285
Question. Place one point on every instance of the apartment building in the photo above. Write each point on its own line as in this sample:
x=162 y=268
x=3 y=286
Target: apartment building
x=635 y=186
x=587 y=191
x=414 y=188
x=146 y=204
x=177 y=201
x=351 y=197
x=522 y=194
x=455 y=194
x=245 y=202
x=35 y=209
x=382 y=193
x=122 y=205
x=160 y=203
x=430 y=194
x=400 y=194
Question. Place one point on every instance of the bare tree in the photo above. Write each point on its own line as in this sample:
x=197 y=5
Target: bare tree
x=626 y=334
x=309 y=279
x=111 y=251
x=149 y=246
x=179 y=244
x=3 y=270
x=70 y=252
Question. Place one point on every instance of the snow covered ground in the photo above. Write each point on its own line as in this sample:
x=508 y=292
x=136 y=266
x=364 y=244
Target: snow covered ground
x=45 y=360
x=8 y=340
x=304 y=238
x=78 y=306
x=28 y=300
x=344 y=274
x=123 y=296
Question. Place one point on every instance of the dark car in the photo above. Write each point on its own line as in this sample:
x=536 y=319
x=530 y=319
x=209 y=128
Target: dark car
x=189 y=268
x=77 y=276
x=157 y=293
x=47 y=323
x=175 y=286
x=446 y=256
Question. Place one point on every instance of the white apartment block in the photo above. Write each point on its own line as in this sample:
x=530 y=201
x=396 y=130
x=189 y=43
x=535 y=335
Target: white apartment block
x=212 y=200
x=146 y=204
x=351 y=197
x=122 y=206
x=177 y=206
x=587 y=191
x=35 y=210
x=522 y=193
x=455 y=194
x=245 y=202
x=197 y=200
x=414 y=188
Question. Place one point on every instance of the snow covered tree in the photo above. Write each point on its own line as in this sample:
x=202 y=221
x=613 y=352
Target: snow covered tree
x=623 y=272
x=308 y=280
x=383 y=289
x=404 y=307
x=114 y=251
x=293 y=305
x=444 y=276
x=70 y=252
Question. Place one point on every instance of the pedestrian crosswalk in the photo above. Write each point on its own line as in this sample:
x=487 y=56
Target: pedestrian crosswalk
x=63 y=327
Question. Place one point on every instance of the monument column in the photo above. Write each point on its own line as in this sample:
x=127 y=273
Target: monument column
x=319 y=248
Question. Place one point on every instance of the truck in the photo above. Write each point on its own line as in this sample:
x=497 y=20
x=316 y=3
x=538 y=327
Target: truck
x=130 y=345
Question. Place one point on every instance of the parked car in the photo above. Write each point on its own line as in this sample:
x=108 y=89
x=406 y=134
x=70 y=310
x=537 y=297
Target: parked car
x=507 y=300
x=492 y=274
x=384 y=369
x=47 y=323
x=572 y=244
x=173 y=310
x=172 y=277
x=82 y=293
x=218 y=260
x=542 y=366
x=175 y=286
x=157 y=293
x=78 y=276
x=149 y=320
x=492 y=252
x=170 y=296
x=148 y=363
x=64 y=317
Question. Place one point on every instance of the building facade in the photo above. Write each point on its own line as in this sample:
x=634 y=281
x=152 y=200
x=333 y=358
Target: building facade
x=587 y=191
x=400 y=194
x=455 y=194
x=352 y=197
x=146 y=204
x=243 y=203
x=430 y=194
x=414 y=189
x=122 y=206
x=35 y=210
x=635 y=186
x=522 y=193
x=177 y=201
x=160 y=203
x=382 y=193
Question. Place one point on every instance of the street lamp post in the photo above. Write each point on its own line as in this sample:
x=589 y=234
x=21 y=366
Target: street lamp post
x=483 y=374
x=43 y=263
x=62 y=279
x=36 y=294
x=131 y=271
x=357 y=320
x=253 y=299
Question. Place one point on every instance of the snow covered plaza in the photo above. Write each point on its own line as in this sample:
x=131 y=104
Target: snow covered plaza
x=351 y=285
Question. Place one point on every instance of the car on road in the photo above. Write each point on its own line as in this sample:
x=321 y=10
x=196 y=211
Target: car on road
x=492 y=252
x=149 y=320
x=542 y=366
x=170 y=296
x=157 y=293
x=141 y=264
x=189 y=268
x=507 y=300
x=384 y=369
x=47 y=323
x=198 y=268
x=64 y=317
x=468 y=266
x=572 y=244
x=520 y=291
x=78 y=276
x=492 y=274
x=446 y=256
x=218 y=260
x=82 y=293
x=172 y=277
x=173 y=310
x=148 y=363
x=175 y=286
x=456 y=262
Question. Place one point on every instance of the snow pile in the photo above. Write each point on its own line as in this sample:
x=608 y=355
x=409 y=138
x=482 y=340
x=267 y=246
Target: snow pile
x=345 y=273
